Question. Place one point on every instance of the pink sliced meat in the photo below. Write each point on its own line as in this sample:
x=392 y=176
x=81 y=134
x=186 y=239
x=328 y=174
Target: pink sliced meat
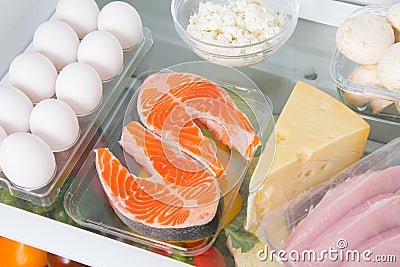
x=384 y=246
x=378 y=239
x=361 y=224
x=339 y=201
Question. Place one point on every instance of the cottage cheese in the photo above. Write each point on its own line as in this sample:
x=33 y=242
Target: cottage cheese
x=238 y=23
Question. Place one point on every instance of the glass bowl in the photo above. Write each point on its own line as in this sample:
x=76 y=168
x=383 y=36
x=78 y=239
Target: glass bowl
x=373 y=103
x=242 y=55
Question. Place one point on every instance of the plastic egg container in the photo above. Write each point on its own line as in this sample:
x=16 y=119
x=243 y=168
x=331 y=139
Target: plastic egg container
x=53 y=89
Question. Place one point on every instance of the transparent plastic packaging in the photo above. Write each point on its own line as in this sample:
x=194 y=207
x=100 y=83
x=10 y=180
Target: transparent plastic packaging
x=89 y=125
x=290 y=230
x=88 y=205
x=380 y=104
x=241 y=55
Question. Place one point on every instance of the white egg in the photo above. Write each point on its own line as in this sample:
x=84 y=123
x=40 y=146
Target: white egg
x=123 y=21
x=27 y=160
x=15 y=109
x=79 y=85
x=56 y=123
x=81 y=15
x=57 y=41
x=34 y=74
x=103 y=52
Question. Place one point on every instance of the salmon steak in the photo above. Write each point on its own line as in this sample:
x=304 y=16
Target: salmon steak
x=171 y=204
x=175 y=106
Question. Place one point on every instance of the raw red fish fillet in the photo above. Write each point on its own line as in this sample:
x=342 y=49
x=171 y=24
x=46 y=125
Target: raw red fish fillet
x=149 y=151
x=170 y=198
x=339 y=201
x=174 y=104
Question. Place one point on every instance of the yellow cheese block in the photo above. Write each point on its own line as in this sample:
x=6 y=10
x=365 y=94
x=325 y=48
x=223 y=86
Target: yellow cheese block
x=316 y=137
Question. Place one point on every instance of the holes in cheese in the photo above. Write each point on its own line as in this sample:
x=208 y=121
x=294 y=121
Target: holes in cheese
x=321 y=135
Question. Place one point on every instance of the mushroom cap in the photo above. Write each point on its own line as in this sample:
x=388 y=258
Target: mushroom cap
x=367 y=75
x=389 y=68
x=393 y=16
x=364 y=75
x=398 y=106
x=364 y=38
x=377 y=105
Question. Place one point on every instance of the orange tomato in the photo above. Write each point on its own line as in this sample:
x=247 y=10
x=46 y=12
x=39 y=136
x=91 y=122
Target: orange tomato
x=15 y=254
x=58 y=261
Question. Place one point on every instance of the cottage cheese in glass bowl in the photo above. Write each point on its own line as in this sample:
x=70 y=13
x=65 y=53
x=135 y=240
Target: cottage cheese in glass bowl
x=235 y=33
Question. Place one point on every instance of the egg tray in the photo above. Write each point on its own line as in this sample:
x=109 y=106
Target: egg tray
x=89 y=126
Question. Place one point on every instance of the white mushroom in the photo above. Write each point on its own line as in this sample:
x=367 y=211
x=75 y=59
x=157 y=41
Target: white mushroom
x=389 y=68
x=364 y=38
x=377 y=105
x=393 y=17
x=367 y=75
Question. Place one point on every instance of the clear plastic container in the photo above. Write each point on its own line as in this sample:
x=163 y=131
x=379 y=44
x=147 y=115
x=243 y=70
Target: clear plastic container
x=86 y=202
x=277 y=225
x=241 y=55
x=353 y=94
x=89 y=124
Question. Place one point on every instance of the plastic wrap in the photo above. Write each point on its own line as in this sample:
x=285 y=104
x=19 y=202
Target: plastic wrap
x=351 y=218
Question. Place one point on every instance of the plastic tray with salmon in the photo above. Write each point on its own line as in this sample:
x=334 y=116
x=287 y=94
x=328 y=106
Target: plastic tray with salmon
x=354 y=216
x=142 y=185
x=88 y=124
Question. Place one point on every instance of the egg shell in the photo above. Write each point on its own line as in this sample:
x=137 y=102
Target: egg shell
x=123 y=21
x=79 y=85
x=15 y=109
x=27 y=161
x=103 y=52
x=34 y=74
x=81 y=15
x=57 y=41
x=56 y=123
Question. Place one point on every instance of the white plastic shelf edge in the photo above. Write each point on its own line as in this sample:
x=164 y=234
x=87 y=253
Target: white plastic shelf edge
x=74 y=243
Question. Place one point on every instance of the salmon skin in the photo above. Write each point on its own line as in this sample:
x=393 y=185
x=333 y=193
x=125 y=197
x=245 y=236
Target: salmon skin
x=174 y=105
x=172 y=204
